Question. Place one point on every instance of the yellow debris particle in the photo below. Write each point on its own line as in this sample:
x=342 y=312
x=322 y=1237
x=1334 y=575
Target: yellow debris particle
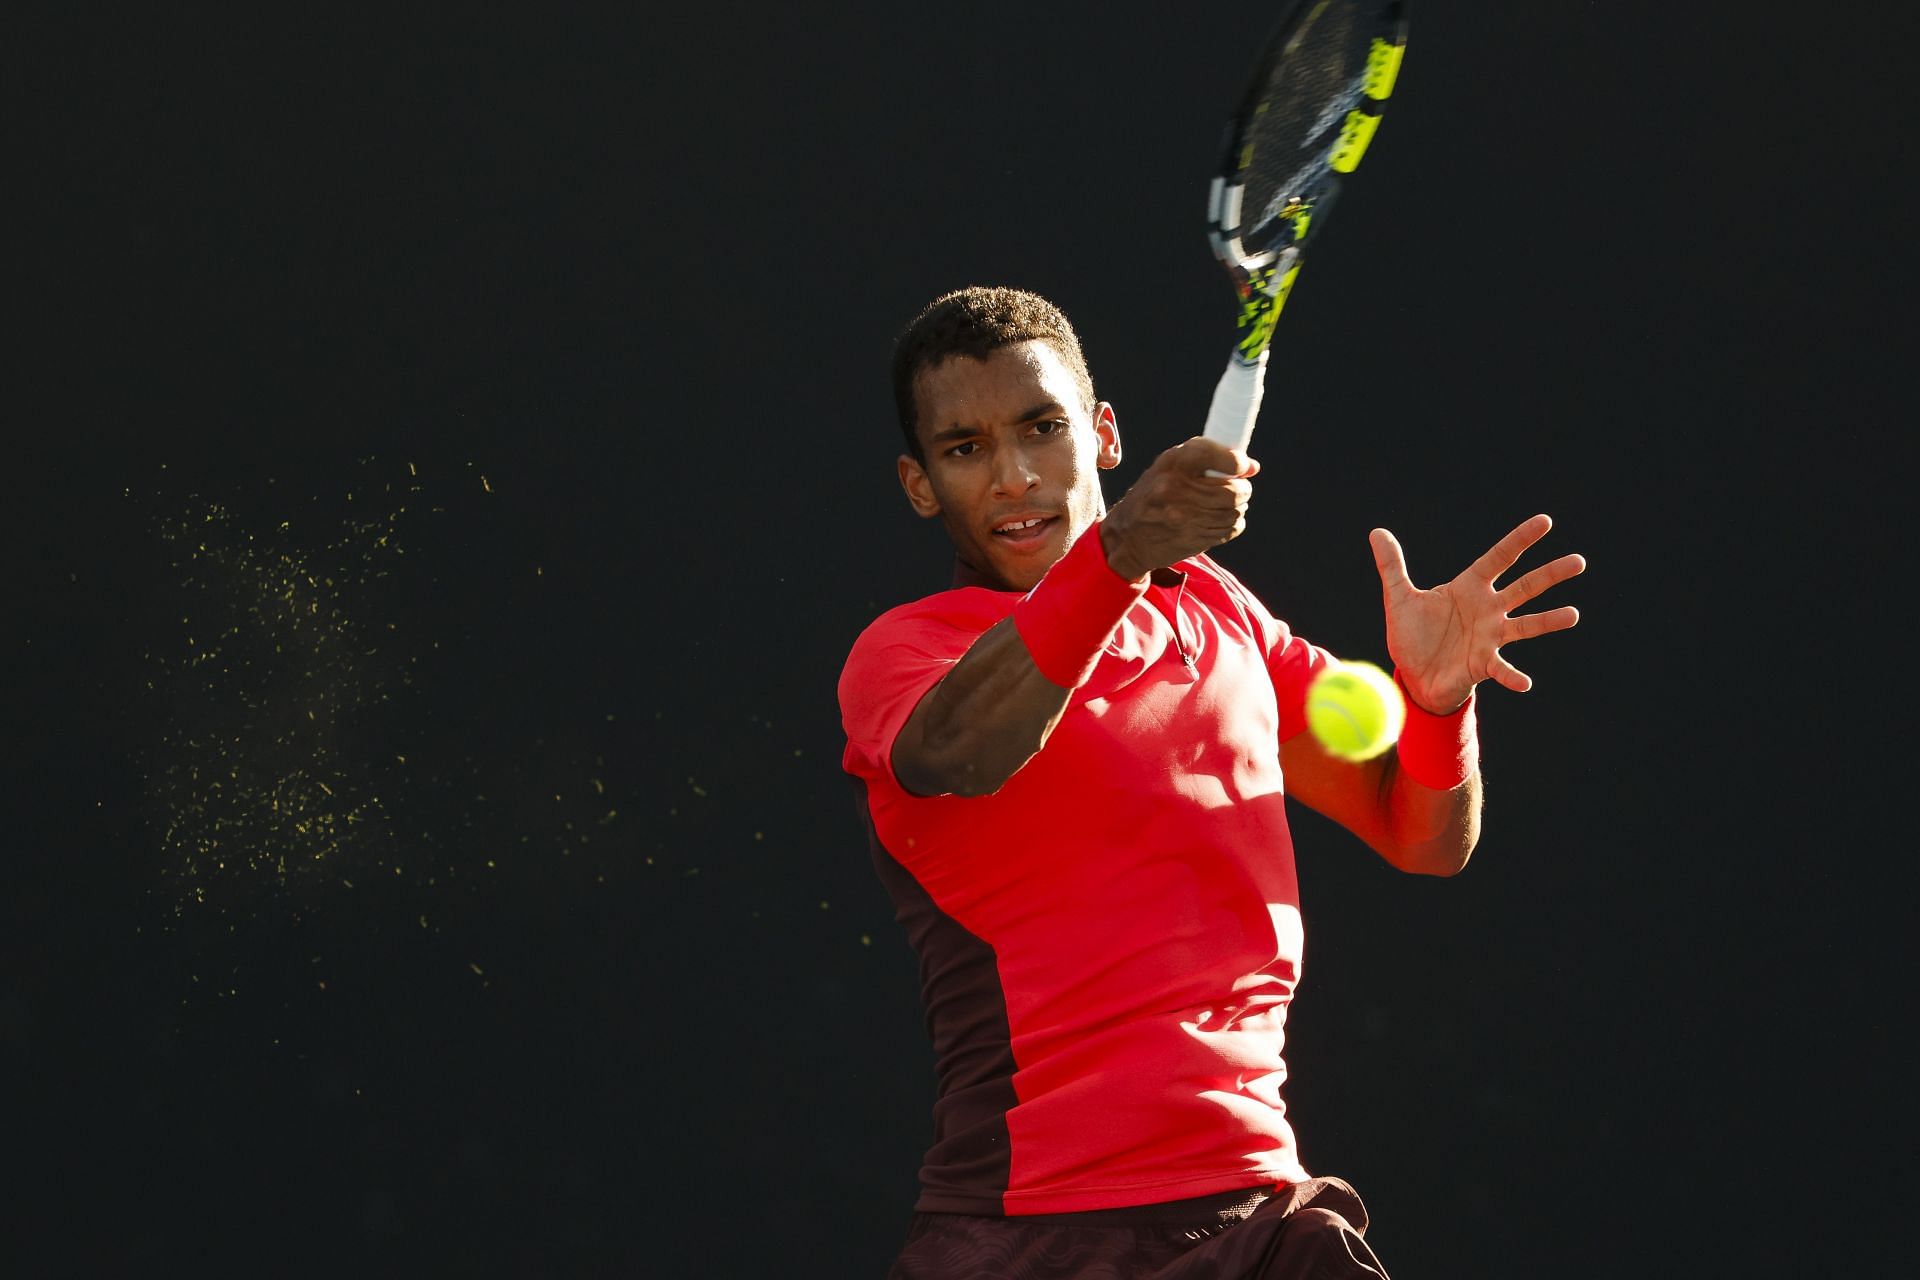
x=477 y=969
x=484 y=484
x=866 y=939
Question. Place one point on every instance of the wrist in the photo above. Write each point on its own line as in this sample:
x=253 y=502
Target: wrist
x=1068 y=617
x=1113 y=543
x=1438 y=751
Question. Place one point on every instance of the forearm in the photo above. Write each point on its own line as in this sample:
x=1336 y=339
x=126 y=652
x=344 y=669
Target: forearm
x=1417 y=806
x=1430 y=789
x=990 y=715
x=995 y=709
x=1427 y=831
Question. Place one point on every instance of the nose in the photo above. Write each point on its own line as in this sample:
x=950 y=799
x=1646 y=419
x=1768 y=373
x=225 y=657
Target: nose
x=1012 y=474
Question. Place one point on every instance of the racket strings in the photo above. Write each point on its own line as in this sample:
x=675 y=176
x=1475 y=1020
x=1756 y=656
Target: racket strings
x=1294 y=122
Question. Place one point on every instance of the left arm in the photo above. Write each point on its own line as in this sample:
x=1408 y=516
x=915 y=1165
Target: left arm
x=1444 y=641
x=1415 y=828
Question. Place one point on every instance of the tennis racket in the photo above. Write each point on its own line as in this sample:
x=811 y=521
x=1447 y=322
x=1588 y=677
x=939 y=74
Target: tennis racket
x=1311 y=106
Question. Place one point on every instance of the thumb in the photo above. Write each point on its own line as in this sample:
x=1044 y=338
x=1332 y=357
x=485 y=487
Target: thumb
x=1389 y=560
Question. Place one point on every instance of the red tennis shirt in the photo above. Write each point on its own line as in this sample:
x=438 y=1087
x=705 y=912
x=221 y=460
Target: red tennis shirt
x=1109 y=943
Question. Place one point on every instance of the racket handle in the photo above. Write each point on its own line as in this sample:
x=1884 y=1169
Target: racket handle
x=1236 y=403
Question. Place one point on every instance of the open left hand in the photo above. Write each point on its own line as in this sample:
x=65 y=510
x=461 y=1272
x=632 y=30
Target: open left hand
x=1447 y=639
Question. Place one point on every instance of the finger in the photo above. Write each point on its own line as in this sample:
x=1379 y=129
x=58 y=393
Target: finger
x=1390 y=560
x=1500 y=556
x=1535 y=581
x=1506 y=675
x=1527 y=626
x=1203 y=457
x=1249 y=468
x=1253 y=469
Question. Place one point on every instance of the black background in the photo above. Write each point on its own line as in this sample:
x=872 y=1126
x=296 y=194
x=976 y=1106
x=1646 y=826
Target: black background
x=600 y=980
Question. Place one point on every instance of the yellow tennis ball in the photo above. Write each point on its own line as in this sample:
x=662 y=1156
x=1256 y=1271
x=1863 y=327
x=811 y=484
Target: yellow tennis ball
x=1355 y=710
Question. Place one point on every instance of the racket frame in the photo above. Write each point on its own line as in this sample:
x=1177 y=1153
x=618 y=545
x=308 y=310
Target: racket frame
x=1263 y=278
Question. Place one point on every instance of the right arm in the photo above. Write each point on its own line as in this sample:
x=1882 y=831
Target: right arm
x=976 y=728
x=995 y=709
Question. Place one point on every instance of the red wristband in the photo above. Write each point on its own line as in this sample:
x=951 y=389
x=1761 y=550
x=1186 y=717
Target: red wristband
x=1068 y=617
x=1440 y=752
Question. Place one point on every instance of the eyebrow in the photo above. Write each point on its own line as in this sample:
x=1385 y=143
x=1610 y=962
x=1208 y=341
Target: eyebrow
x=960 y=431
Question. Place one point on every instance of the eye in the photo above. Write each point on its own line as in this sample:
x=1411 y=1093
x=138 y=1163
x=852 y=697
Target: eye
x=962 y=450
x=1048 y=428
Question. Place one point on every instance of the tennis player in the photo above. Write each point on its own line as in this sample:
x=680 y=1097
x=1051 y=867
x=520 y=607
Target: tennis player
x=1073 y=767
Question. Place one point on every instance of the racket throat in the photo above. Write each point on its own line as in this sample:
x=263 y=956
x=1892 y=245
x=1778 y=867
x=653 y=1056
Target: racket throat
x=1262 y=296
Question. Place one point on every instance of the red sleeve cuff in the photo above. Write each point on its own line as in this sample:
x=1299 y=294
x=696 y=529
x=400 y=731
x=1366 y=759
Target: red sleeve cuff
x=1071 y=613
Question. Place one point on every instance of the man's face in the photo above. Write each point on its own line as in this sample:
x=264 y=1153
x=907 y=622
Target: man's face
x=1008 y=443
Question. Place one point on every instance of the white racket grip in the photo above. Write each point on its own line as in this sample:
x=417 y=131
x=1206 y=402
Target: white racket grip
x=1236 y=403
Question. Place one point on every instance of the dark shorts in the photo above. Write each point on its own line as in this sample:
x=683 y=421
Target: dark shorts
x=1312 y=1229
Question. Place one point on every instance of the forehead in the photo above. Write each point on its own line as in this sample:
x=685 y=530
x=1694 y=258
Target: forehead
x=1010 y=382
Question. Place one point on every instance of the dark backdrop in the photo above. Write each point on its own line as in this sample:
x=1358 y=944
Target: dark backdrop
x=453 y=457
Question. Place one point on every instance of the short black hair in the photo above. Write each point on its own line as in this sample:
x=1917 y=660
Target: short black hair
x=977 y=321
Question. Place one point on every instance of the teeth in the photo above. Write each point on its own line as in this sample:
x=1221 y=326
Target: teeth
x=1019 y=524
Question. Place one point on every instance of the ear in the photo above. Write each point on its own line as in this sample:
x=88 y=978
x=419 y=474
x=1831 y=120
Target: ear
x=913 y=478
x=1106 y=430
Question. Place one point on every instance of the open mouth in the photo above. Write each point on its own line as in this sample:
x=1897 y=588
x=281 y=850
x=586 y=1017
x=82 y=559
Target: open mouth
x=1024 y=530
